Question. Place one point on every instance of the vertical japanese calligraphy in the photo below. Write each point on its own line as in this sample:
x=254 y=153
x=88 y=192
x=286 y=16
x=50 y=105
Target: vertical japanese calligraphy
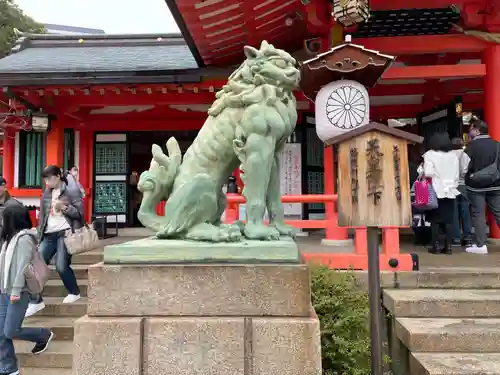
x=374 y=170
x=291 y=176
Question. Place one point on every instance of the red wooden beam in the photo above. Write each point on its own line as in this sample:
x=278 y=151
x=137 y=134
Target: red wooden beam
x=165 y=113
x=125 y=99
x=451 y=87
x=458 y=86
x=412 y=4
x=144 y=125
x=392 y=90
x=424 y=44
x=395 y=111
x=206 y=84
x=435 y=72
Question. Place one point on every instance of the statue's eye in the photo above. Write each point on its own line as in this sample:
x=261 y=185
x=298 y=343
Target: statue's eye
x=282 y=64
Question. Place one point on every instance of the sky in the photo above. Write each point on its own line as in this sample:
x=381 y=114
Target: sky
x=112 y=16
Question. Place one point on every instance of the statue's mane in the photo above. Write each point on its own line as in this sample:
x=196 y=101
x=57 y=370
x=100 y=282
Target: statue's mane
x=246 y=86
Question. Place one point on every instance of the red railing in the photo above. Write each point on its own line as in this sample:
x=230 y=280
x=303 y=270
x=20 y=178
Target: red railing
x=357 y=259
x=234 y=201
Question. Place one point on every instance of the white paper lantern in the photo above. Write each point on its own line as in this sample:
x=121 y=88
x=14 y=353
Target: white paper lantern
x=351 y=12
x=341 y=106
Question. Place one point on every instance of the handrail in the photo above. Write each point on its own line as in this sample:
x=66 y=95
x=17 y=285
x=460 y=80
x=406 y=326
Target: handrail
x=234 y=200
x=358 y=259
x=305 y=198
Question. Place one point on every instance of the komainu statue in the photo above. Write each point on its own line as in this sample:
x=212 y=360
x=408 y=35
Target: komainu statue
x=247 y=125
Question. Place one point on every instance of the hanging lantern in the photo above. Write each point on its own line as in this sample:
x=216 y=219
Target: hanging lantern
x=351 y=12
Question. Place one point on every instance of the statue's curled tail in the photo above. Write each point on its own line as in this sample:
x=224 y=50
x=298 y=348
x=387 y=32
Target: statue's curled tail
x=156 y=183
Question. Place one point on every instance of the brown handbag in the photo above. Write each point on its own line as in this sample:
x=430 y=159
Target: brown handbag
x=81 y=240
x=37 y=272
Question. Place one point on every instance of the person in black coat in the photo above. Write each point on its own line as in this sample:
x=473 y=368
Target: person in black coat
x=483 y=152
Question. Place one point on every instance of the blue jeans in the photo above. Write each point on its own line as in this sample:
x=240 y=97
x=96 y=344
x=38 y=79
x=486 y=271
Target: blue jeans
x=11 y=319
x=53 y=245
x=462 y=216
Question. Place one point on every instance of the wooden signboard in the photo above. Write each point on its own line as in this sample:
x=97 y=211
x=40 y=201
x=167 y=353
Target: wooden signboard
x=374 y=184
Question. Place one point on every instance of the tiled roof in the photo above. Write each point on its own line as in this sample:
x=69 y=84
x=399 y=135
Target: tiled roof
x=98 y=53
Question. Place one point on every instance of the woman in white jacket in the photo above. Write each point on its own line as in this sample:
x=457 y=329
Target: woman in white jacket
x=441 y=165
x=462 y=225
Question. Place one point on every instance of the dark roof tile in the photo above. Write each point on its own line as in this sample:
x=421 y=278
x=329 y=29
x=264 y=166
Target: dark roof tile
x=59 y=54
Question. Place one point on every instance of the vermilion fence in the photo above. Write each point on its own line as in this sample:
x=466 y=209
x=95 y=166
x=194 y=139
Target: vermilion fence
x=344 y=258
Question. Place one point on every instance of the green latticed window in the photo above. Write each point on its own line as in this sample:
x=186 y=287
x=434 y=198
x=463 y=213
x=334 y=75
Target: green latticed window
x=110 y=158
x=110 y=197
x=69 y=148
x=31 y=158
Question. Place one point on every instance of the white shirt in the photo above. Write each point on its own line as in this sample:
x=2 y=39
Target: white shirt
x=463 y=163
x=444 y=170
x=56 y=221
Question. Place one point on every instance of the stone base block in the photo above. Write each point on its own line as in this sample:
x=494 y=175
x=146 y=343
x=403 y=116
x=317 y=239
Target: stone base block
x=194 y=346
x=197 y=346
x=288 y=346
x=155 y=251
x=199 y=290
x=107 y=346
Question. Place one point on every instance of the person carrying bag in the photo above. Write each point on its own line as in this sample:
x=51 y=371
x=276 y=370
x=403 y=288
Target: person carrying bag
x=483 y=183
x=61 y=213
x=16 y=263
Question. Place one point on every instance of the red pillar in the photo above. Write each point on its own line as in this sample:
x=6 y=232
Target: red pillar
x=491 y=107
x=9 y=149
x=85 y=167
x=55 y=145
x=333 y=231
x=84 y=159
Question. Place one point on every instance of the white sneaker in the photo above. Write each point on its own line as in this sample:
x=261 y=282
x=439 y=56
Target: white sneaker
x=33 y=308
x=474 y=249
x=14 y=373
x=71 y=298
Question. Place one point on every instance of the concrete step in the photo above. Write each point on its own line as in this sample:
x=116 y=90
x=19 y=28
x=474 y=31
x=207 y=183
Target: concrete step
x=91 y=257
x=45 y=371
x=437 y=303
x=55 y=307
x=81 y=272
x=55 y=288
x=58 y=355
x=449 y=335
x=455 y=364
x=440 y=278
x=62 y=327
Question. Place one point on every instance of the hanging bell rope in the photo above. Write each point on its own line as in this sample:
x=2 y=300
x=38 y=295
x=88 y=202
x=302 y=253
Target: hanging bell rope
x=489 y=37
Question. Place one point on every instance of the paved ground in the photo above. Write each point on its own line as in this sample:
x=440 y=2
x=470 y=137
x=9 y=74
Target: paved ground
x=312 y=244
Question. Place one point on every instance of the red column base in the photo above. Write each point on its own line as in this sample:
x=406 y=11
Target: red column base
x=396 y=262
x=494 y=229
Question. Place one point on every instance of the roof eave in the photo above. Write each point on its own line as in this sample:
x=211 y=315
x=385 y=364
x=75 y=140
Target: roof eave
x=179 y=20
x=95 y=78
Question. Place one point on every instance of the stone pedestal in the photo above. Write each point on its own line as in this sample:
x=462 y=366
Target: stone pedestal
x=198 y=319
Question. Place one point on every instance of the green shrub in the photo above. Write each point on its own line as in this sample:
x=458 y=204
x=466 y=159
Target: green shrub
x=343 y=310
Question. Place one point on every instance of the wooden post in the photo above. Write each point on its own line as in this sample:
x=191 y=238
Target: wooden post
x=492 y=109
x=333 y=231
x=55 y=145
x=374 y=295
x=9 y=149
x=85 y=167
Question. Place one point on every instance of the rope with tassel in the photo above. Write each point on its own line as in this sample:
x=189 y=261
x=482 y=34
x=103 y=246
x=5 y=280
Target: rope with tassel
x=488 y=37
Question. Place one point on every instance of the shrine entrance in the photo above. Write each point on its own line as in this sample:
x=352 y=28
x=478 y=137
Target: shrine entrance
x=140 y=144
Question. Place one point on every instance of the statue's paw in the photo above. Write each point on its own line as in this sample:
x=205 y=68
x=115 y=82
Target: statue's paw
x=285 y=229
x=261 y=232
x=235 y=234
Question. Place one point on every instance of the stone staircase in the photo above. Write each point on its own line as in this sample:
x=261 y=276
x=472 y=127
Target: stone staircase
x=59 y=317
x=444 y=322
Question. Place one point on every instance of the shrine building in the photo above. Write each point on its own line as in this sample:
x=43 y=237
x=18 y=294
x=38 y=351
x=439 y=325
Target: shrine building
x=100 y=101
